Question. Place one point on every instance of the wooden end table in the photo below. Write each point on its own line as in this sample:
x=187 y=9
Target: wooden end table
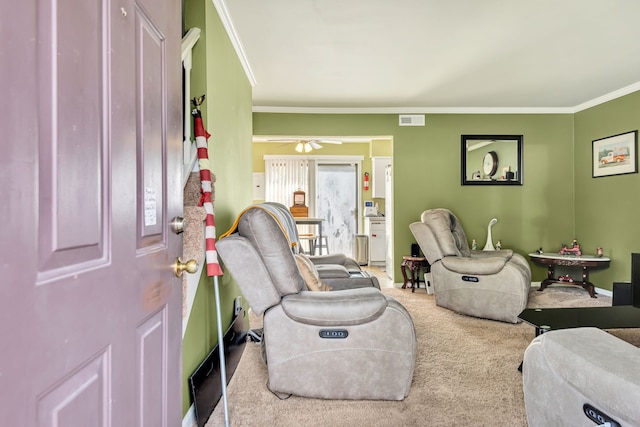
x=586 y=262
x=414 y=264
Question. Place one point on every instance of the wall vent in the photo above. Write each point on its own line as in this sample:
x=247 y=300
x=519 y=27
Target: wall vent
x=411 y=120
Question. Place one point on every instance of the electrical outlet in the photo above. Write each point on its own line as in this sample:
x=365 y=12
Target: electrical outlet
x=237 y=305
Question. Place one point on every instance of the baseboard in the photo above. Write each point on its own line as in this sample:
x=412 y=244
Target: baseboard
x=189 y=419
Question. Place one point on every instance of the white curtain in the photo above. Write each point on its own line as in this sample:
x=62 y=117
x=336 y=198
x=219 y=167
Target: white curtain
x=284 y=176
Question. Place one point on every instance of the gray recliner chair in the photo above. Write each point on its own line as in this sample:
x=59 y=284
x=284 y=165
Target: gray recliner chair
x=332 y=268
x=488 y=284
x=345 y=344
x=581 y=377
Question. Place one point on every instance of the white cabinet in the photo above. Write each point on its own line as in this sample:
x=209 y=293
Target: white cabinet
x=378 y=165
x=374 y=228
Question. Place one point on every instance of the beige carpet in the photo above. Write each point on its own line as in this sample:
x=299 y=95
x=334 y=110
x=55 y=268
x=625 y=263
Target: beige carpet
x=465 y=375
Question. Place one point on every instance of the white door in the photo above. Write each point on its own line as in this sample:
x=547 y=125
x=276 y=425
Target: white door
x=337 y=202
x=90 y=172
x=388 y=213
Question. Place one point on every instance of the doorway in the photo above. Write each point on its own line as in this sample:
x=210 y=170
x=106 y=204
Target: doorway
x=337 y=202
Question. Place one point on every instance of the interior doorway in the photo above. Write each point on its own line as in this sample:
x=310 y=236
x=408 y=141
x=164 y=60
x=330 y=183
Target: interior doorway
x=337 y=202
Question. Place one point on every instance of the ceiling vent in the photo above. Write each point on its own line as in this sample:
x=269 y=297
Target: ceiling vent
x=411 y=120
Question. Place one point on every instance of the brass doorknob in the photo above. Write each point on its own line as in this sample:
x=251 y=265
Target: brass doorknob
x=190 y=266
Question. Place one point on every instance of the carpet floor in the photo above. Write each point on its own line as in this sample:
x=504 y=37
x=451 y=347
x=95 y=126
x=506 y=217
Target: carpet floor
x=465 y=373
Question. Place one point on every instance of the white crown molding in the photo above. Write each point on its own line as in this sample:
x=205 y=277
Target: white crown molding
x=608 y=97
x=453 y=110
x=221 y=7
x=412 y=110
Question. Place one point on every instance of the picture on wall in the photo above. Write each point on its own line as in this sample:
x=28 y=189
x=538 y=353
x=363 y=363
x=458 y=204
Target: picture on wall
x=615 y=155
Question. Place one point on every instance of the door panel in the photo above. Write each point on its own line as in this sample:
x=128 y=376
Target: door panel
x=91 y=309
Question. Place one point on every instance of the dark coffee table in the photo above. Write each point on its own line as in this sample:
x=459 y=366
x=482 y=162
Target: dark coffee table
x=547 y=319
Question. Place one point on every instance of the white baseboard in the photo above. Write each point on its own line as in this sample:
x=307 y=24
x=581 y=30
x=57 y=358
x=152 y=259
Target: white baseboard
x=189 y=419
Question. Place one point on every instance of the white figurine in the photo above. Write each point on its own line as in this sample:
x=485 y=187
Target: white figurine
x=474 y=245
x=489 y=245
x=498 y=245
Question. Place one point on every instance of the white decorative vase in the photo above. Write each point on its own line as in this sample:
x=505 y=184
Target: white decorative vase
x=489 y=245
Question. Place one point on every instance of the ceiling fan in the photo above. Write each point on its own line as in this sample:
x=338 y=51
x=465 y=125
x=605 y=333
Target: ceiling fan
x=306 y=145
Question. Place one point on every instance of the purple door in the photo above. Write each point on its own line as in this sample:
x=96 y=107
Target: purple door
x=90 y=113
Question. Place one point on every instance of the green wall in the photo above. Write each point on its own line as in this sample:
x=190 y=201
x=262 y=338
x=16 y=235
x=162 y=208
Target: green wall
x=607 y=207
x=426 y=173
x=227 y=116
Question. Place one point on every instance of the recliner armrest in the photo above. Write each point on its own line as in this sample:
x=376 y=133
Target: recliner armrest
x=328 y=259
x=503 y=253
x=337 y=308
x=474 y=265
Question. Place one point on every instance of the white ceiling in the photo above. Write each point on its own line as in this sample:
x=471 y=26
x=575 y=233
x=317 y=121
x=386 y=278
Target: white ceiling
x=437 y=55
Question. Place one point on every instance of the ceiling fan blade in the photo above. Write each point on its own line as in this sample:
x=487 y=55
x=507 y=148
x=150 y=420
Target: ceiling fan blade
x=328 y=141
x=284 y=140
x=315 y=145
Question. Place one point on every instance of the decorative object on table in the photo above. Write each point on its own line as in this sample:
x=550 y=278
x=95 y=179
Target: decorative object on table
x=474 y=245
x=415 y=250
x=540 y=251
x=573 y=250
x=489 y=245
x=599 y=251
x=299 y=208
x=499 y=245
x=615 y=155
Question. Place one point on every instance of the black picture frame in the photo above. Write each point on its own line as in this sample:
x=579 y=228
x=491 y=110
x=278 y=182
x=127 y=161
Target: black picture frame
x=509 y=148
x=615 y=155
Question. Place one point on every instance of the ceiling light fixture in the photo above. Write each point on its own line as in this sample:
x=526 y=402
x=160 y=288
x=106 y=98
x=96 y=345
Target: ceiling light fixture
x=303 y=146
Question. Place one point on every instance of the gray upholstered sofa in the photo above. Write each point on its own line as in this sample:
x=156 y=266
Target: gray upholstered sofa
x=487 y=284
x=343 y=344
x=581 y=377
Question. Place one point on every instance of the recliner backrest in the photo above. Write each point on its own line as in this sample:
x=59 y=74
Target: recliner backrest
x=260 y=259
x=443 y=234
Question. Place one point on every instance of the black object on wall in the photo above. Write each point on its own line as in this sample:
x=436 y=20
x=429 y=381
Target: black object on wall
x=415 y=249
x=622 y=294
x=206 y=389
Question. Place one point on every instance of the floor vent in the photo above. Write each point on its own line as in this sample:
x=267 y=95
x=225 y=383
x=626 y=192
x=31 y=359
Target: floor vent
x=411 y=120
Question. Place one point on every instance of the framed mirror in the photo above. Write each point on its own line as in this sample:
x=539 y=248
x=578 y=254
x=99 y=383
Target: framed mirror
x=491 y=159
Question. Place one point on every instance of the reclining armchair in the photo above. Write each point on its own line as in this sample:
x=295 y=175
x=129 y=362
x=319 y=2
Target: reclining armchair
x=581 y=377
x=488 y=284
x=333 y=269
x=345 y=344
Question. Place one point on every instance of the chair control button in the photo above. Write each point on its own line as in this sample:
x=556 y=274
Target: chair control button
x=470 y=279
x=598 y=416
x=334 y=333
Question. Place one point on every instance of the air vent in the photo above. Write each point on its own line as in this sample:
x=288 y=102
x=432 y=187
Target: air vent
x=411 y=120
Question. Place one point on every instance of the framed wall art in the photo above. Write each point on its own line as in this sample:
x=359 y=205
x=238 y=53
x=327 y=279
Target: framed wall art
x=615 y=155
